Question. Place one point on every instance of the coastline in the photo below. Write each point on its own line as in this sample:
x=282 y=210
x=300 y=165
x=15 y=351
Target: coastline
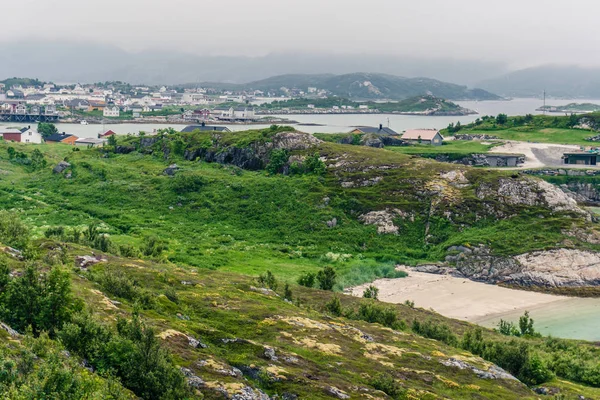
x=459 y=298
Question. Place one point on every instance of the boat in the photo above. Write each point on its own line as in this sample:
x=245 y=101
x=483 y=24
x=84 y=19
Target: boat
x=83 y=122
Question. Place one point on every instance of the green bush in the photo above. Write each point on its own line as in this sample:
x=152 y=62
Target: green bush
x=277 y=161
x=388 y=385
x=370 y=311
x=268 y=280
x=326 y=278
x=432 y=330
x=334 y=306
x=38 y=300
x=307 y=280
x=372 y=292
x=13 y=232
x=154 y=247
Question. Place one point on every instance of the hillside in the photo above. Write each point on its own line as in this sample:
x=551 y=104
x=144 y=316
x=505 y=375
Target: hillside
x=557 y=81
x=365 y=86
x=420 y=105
x=177 y=228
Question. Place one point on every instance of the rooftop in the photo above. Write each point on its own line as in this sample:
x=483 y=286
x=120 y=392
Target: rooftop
x=416 y=134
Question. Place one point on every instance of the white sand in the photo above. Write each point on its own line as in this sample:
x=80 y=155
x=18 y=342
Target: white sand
x=457 y=297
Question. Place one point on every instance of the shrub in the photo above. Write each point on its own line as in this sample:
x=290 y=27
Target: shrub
x=171 y=294
x=287 y=292
x=334 y=306
x=127 y=250
x=268 y=280
x=154 y=247
x=374 y=313
x=42 y=301
x=277 y=161
x=435 y=331
x=13 y=232
x=371 y=292
x=307 y=280
x=326 y=278
x=182 y=183
x=388 y=385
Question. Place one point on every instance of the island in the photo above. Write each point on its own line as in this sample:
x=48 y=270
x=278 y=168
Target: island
x=426 y=105
x=571 y=108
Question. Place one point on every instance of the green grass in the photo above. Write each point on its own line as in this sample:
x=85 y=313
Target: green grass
x=546 y=135
x=249 y=222
x=458 y=147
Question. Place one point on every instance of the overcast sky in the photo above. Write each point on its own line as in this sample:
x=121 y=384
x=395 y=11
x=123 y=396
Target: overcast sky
x=521 y=32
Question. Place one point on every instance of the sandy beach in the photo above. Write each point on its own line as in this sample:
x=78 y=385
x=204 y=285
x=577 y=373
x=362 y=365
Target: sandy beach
x=458 y=297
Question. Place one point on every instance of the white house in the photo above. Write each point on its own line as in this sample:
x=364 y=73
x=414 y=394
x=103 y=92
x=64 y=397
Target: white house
x=30 y=135
x=25 y=135
x=243 y=113
x=111 y=111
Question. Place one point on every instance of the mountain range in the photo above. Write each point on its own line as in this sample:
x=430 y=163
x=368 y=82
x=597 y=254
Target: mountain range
x=556 y=80
x=363 y=86
x=71 y=62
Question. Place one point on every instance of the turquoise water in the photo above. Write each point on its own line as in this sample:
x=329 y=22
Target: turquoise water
x=570 y=318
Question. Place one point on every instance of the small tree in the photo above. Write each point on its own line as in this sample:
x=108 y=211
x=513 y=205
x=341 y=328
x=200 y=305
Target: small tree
x=287 y=292
x=526 y=325
x=307 y=280
x=46 y=129
x=112 y=140
x=501 y=119
x=334 y=306
x=268 y=280
x=371 y=292
x=326 y=278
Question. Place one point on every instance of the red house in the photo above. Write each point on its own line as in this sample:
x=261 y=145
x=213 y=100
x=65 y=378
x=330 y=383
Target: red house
x=106 y=134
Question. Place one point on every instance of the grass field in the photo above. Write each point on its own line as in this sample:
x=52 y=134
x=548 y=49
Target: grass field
x=459 y=147
x=547 y=135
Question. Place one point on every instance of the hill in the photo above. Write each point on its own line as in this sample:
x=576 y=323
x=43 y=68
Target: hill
x=365 y=86
x=145 y=274
x=420 y=105
x=557 y=81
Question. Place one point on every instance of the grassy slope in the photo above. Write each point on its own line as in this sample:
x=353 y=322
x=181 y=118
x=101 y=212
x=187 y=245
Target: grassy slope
x=213 y=306
x=250 y=222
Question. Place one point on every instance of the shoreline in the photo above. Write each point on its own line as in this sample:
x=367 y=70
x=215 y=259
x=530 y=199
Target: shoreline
x=459 y=298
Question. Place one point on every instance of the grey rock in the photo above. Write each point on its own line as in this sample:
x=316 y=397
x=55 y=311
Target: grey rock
x=269 y=354
x=9 y=330
x=60 y=167
x=171 y=170
x=332 y=223
x=335 y=392
x=494 y=372
x=192 y=380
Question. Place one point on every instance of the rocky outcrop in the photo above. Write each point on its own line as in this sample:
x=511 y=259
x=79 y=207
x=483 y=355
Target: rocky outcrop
x=255 y=156
x=474 y=137
x=384 y=220
x=529 y=192
x=581 y=192
x=552 y=268
x=559 y=268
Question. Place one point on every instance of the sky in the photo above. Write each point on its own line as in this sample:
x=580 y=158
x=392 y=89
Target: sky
x=519 y=32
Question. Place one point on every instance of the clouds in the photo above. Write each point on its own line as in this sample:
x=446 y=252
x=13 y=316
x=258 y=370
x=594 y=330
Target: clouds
x=524 y=32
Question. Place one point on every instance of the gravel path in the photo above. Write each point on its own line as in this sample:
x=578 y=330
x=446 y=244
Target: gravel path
x=538 y=155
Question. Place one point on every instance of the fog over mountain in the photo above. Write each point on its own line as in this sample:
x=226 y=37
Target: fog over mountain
x=556 y=80
x=88 y=62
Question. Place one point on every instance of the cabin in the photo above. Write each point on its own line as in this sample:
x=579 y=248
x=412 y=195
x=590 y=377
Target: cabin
x=381 y=130
x=205 y=128
x=62 y=138
x=423 y=136
x=580 y=158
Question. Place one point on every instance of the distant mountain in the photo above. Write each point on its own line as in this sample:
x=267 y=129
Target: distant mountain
x=70 y=62
x=365 y=86
x=557 y=81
